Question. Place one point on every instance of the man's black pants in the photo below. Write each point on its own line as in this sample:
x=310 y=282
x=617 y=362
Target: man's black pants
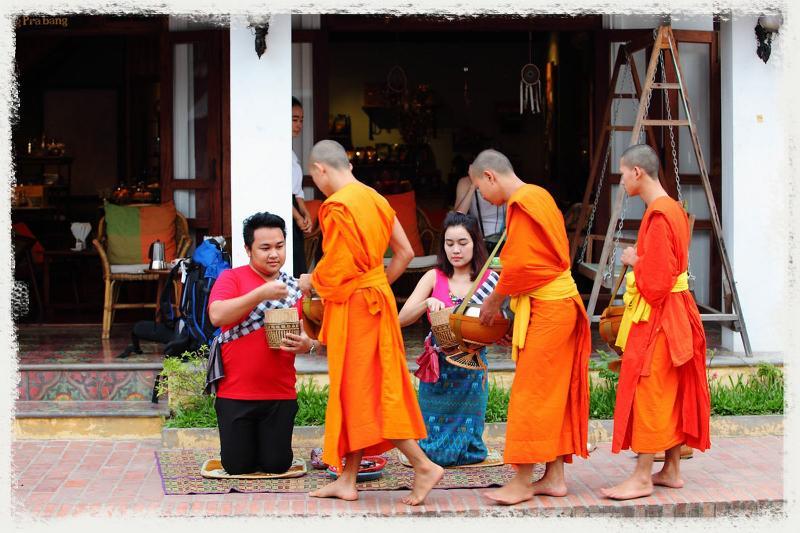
x=255 y=435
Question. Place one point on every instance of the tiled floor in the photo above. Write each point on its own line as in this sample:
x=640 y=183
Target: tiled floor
x=65 y=478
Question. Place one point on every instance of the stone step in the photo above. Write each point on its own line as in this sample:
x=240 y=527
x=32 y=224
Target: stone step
x=117 y=382
x=88 y=419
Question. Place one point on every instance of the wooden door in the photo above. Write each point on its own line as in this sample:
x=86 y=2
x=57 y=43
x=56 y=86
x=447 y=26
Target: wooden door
x=195 y=131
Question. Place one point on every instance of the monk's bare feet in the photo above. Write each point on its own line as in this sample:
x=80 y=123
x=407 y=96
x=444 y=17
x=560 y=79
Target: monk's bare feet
x=667 y=478
x=337 y=489
x=425 y=478
x=547 y=487
x=633 y=487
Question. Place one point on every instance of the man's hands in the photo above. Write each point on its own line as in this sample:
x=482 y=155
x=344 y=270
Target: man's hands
x=297 y=343
x=273 y=290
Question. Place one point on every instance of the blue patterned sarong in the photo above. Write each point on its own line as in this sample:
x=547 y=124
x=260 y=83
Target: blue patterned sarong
x=454 y=409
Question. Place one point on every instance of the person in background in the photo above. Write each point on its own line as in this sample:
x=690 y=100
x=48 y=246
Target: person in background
x=301 y=219
x=491 y=218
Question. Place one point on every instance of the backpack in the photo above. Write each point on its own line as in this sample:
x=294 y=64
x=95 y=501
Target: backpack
x=193 y=327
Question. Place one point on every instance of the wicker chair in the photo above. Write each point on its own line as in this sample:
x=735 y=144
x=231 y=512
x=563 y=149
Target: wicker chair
x=113 y=278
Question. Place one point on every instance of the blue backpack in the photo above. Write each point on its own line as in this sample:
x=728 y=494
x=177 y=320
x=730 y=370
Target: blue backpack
x=193 y=327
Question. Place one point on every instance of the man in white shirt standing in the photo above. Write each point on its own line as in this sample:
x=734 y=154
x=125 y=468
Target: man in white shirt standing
x=301 y=219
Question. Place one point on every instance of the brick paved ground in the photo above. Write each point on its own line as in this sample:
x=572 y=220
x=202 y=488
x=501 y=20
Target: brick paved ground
x=738 y=476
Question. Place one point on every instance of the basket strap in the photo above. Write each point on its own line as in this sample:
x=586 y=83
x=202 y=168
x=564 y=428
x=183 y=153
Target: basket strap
x=618 y=284
x=461 y=308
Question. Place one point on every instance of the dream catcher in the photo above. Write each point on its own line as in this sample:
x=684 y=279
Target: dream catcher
x=530 y=88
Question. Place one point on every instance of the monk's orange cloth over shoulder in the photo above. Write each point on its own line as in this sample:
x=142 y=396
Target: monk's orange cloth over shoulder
x=548 y=412
x=662 y=394
x=371 y=397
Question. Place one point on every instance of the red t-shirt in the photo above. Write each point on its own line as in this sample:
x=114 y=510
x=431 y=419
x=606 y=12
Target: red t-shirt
x=253 y=370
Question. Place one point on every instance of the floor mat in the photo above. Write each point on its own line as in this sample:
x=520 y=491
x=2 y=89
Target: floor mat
x=180 y=474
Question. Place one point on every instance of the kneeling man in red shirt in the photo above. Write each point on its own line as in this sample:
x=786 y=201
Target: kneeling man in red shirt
x=256 y=401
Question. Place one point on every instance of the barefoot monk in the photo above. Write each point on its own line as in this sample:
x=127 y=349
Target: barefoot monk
x=662 y=395
x=372 y=405
x=548 y=412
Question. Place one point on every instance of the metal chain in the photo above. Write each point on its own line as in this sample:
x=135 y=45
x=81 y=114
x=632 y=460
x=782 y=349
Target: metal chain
x=671 y=132
x=613 y=259
x=590 y=222
x=692 y=277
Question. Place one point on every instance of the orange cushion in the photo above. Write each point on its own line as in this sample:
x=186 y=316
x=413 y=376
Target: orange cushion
x=405 y=207
x=132 y=229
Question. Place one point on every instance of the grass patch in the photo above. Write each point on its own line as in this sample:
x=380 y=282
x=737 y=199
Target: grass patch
x=759 y=394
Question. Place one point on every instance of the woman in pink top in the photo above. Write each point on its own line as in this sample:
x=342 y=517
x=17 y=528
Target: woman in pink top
x=453 y=404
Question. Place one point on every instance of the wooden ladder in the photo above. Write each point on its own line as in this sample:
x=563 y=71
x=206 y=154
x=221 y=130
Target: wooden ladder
x=664 y=41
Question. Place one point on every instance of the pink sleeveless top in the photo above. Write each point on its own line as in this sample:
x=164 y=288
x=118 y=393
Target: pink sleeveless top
x=441 y=288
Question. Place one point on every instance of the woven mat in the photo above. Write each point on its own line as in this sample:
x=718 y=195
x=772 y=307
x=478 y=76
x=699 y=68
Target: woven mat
x=180 y=474
x=493 y=458
x=213 y=469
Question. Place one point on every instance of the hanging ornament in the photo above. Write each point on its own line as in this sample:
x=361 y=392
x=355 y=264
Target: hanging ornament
x=530 y=88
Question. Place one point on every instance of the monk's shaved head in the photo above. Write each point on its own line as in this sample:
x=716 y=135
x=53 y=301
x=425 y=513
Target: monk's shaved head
x=491 y=160
x=329 y=153
x=642 y=156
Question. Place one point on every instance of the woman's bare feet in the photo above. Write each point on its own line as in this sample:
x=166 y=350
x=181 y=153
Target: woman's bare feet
x=633 y=487
x=344 y=490
x=425 y=478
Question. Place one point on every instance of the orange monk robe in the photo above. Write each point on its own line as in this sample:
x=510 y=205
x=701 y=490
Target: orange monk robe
x=371 y=397
x=662 y=395
x=548 y=412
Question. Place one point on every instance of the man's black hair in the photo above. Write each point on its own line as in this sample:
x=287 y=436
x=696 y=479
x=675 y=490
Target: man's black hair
x=261 y=220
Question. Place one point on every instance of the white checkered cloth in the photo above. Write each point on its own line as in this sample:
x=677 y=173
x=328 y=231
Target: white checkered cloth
x=253 y=322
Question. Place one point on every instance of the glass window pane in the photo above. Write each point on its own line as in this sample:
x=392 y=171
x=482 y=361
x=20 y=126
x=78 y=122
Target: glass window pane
x=700 y=261
x=695 y=68
x=190 y=111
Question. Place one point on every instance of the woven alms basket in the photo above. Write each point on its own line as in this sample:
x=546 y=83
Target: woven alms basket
x=279 y=322
x=440 y=327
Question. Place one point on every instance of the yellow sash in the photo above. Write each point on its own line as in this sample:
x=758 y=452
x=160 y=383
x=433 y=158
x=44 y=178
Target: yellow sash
x=637 y=309
x=561 y=287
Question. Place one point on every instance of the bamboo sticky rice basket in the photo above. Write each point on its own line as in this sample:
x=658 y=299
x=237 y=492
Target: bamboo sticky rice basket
x=440 y=327
x=279 y=322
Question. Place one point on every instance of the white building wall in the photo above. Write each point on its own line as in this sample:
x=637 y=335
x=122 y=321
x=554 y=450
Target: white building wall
x=754 y=185
x=261 y=118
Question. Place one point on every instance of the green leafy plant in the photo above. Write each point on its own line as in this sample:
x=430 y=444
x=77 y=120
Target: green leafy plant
x=758 y=394
x=603 y=391
x=312 y=401
x=497 y=404
x=184 y=378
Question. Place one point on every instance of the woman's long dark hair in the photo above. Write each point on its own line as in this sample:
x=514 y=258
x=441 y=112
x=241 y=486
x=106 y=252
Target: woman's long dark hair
x=479 y=255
